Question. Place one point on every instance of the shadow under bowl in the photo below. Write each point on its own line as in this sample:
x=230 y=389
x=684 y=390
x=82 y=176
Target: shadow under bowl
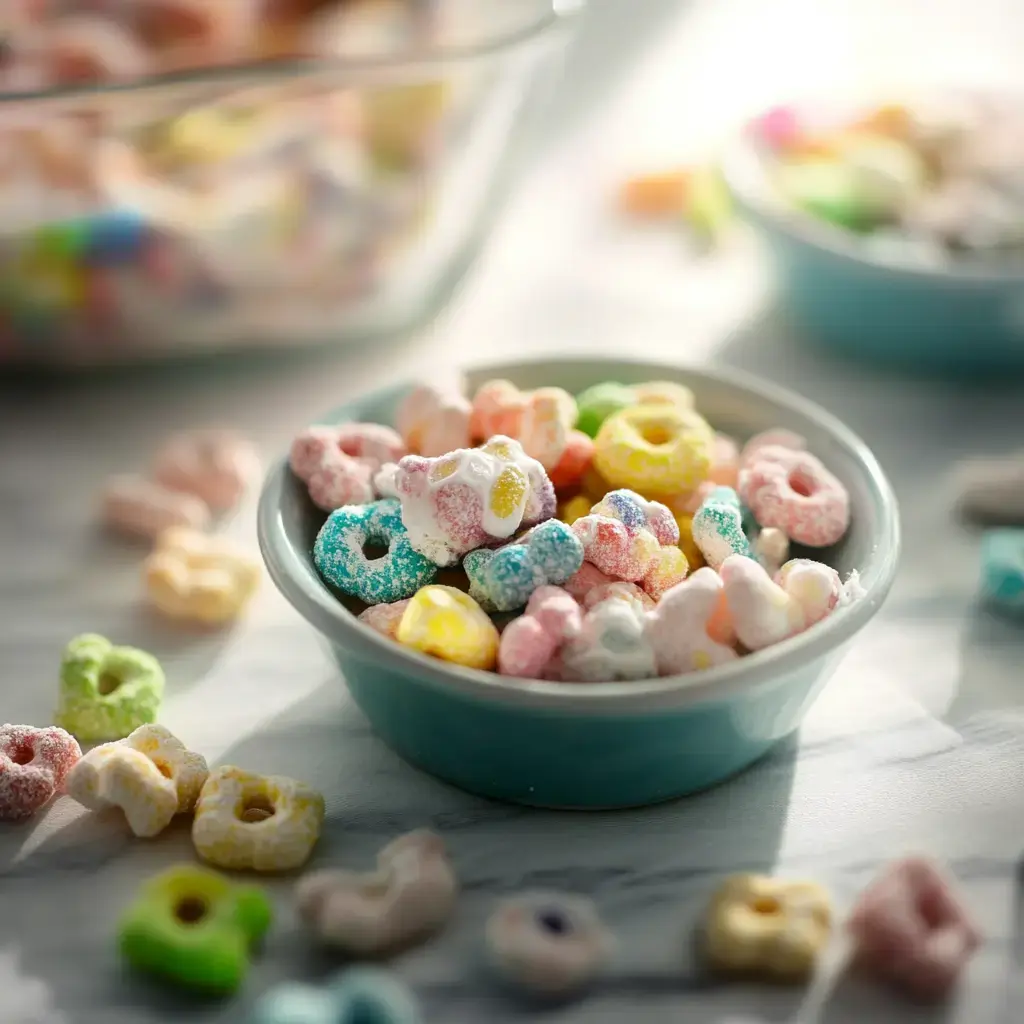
x=600 y=745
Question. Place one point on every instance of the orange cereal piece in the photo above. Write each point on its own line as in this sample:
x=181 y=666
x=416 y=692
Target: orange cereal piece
x=655 y=195
x=575 y=461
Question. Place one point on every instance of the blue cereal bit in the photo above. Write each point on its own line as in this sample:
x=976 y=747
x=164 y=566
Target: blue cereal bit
x=341 y=560
x=114 y=237
x=503 y=580
x=717 y=527
x=1002 y=569
x=629 y=507
x=362 y=995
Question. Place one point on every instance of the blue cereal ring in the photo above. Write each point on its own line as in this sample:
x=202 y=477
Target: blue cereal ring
x=1002 y=569
x=339 y=557
x=503 y=580
x=717 y=527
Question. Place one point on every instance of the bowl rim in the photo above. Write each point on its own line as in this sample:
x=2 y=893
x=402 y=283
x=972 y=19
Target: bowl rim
x=743 y=172
x=315 y=603
x=555 y=14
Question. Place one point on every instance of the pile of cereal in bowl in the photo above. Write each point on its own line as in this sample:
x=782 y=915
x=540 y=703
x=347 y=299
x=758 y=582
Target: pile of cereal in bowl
x=931 y=181
x=607 y=536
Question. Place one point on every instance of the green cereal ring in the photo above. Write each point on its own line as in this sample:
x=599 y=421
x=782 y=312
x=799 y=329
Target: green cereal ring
x=597 y=403
x=107 y=692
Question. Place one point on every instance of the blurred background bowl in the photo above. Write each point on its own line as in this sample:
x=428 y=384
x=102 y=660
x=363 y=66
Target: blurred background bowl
x=844 y=296
x=284 y=203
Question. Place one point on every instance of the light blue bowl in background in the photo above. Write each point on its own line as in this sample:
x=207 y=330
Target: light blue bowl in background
x=942 y=320
x=595 y=745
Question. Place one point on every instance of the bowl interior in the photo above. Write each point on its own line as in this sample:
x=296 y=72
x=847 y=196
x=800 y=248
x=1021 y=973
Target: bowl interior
x=732 y=403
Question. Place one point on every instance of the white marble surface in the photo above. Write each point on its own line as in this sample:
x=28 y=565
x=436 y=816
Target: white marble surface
x=917 y=744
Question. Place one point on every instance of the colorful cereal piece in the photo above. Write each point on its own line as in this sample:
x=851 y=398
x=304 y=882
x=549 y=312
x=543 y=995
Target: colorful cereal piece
x=194 y=928
x=471 y=498
x=910 y=928
x=992 y=490
x=775 y=438
x=368 y=994
x=618 y=590
x=139 y=507
x=679 y=628
x=792 y=491
x=433 y=422
x=656 y=195
x=1002 y=569
x=575 y=508
x=599 y=402
x=448 y=624
x=655 y=448
x=717 y=527
x=814 y=586
x=194 y=577
x=503 y=580
x=668 y=568
x=384 y=618
x=530 y=643
x=214 y=465
x=548 y=944
x=575 y=461
x=548 y=419
x=663 y=392
x=150 y=776
x=34 y=764
x=756 y=925
x=725 y=461
x=408 y=898
x=341 y=560
x=694 y=557
x=107 y=692
x=498 y=408
x=612 y=645
x=246 y=821
x=771 y=549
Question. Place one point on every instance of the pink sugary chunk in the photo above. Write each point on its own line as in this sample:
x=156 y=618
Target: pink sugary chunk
x=725 y=461
x=341 y=481
x=33 y=766
x=614 y=549
x=384 y=618
x=372 y=442
x=459 y=509
x=777 y=438
x=581 y=583
x=338 y=463
x=910 y=929
x=530 y=644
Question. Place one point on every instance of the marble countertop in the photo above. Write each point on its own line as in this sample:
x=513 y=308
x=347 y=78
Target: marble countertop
x=917 y=744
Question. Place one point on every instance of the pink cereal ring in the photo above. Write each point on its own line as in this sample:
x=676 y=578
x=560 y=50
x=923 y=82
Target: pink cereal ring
x=333 y=476
x=531 y=642
x=548 y=418
x=33 y=766
x=793 y=491
x=433 y=422
x=139 y=507
x=777 y=438
x=215 y=465
x=498 y=408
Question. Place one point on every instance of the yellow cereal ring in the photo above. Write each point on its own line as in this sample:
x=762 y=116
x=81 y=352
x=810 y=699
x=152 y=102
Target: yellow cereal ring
x=658 y=448
x=448 y=624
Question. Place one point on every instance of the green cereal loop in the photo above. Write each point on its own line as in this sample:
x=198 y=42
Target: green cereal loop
x=107 y=692
x=597 y=403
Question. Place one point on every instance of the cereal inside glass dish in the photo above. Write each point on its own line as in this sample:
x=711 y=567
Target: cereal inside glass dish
x=931 y=180
x=180 y=175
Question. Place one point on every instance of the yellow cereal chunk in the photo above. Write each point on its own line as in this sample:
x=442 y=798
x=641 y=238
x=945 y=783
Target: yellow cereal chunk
x=448 y=624
x=509 y=492
x=687 y=543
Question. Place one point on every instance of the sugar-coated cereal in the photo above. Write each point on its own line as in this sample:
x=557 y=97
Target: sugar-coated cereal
x=717 y=527
x=694 y=557
x=471 y=498
x=409 y=897
x=364 y=993
x=34 y=764
x=575 y=508
x=991 y=490
x=530 y=643
x=341 y=560
x=668 y=568
x=911 y=929
x=198 y=578
x=679 y=629
x=503 y=580
x=725 y=461
x=194 y=928
x=568 y=473
x=792 y=491
x=214 y=465
x=548 y=419
x=384 y=618
x=547 y=944
x=654 y=448
x=107 y=692
x=663 y=392
x=756 y=925
x=599 y=402
x=134 y=505
x=246 y=821
x=612 y=645
x=815 y=587
x=586 y=580
x=150 y=776
x=1002 y=569
x=498 y=408
x=617 y=590
x=433 y=421
x=771 y=549
x=776 y=438
x=448 y=624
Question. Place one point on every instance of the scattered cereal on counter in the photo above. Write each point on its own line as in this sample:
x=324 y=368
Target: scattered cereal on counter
x=34 y=764
x=194 y=928
x=149 y=775
x=143 y=508
x=991 y=490
x=408 y=898
x=217 y=466
x=245 y=821
x=1002 y=569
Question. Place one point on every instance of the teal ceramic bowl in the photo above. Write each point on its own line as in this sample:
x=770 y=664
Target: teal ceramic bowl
x=595 y=745
x=948 y=321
